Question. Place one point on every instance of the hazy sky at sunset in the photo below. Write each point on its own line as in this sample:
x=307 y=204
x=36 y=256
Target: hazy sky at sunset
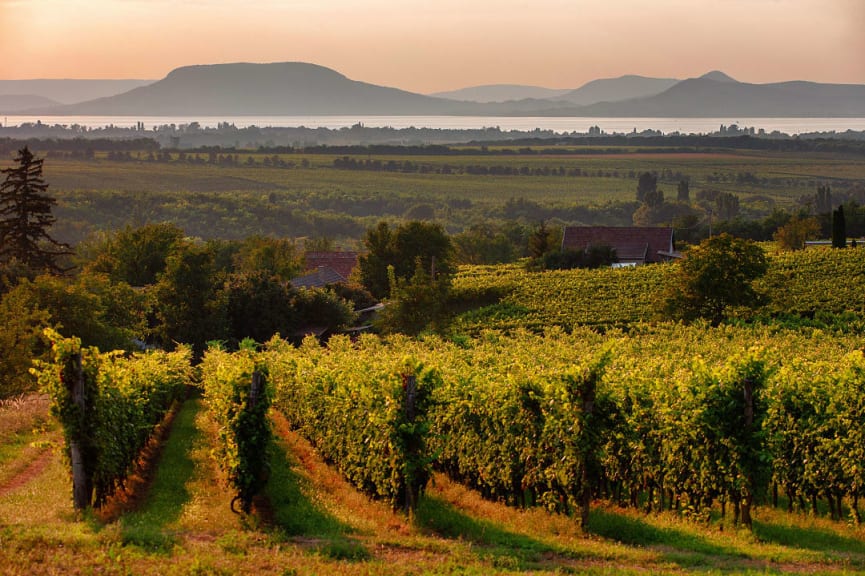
x=432 y=45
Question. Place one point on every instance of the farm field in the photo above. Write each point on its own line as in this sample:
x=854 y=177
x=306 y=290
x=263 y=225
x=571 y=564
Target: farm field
x=179 y=522
x=307 y=195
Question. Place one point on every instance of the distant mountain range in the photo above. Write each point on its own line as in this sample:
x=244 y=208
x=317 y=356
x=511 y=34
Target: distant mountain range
x=43 y=93
x=501 y=93
x=296 y=88
x=12 y=103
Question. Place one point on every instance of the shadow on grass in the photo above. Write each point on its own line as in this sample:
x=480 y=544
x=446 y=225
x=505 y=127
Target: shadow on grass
x=638 y=532
x=167 y=494
x=808 y=538
x=505 y=549
x=295 y=515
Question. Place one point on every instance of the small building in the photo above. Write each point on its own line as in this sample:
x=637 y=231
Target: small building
x=634 y=245
x=343 y=263
x=323 y=268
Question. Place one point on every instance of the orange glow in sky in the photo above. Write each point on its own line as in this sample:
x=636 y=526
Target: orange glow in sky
x=433 y=45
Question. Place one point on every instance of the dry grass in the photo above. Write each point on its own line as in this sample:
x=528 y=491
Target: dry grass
x=22 y=414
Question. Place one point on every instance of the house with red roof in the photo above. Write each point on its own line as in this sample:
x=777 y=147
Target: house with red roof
x=634 y=245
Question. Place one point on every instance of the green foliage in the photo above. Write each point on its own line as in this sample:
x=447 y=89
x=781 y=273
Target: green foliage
x=671 y=417
x=100 y=312
x=90 y=307
x=803 y=283
x=243 y=452
x=186 y=305
x=136 y=256
x=125 y=398
x=683 y=191
x=647 y=187
x=350 y=402
x=257 y=306
x=541 y=241
x=21 y=325
x=823 y=200
x=793 y=234
x=416 y=304
x=715 y=277
x=401 y=248
x=726 y=206
x=666 y=213
x=592 y=257
x=488 y=244
x=273 y=257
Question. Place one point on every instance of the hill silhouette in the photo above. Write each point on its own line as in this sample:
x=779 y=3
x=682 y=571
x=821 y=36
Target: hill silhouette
x=617 y=89
x=297 y=88
x=710 y=96
x=287 y=88
x=501 y=93
x=67 y=91
x=13 y=103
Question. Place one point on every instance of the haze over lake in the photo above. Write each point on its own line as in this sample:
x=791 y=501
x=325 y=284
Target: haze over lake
x=505 y=123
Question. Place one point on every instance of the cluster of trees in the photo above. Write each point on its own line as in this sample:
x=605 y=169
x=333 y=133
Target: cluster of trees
x=349 y=163
x=411 y=266
x=153 y=286
x=141 y=286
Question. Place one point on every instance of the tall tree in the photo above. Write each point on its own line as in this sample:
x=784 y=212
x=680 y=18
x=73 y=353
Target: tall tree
x=647 y=184
x=684 y=192
x=839 y=228
x=823 y=200
x=715 y=277
x=25 y=217
x=401 y=249
x=727 y=205
x=540 y=242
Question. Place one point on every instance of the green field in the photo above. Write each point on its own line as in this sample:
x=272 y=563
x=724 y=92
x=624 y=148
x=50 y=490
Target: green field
x=222 y=201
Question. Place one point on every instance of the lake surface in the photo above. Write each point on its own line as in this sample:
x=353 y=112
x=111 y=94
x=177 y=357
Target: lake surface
x=505 y=123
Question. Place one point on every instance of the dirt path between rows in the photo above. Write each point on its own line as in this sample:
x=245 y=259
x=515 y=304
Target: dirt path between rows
x=37 y=465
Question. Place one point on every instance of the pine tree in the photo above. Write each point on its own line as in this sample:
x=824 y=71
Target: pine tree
x=25 y=217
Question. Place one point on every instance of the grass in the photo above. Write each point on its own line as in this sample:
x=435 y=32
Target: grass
x=169 y=493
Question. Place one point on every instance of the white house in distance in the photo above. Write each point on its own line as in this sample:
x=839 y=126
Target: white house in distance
x=634 y=245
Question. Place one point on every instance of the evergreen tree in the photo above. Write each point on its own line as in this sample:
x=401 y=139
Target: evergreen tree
x=647 y=184
x=684 y=192
x=839 y=228
x=25 y=216
x=540 y=242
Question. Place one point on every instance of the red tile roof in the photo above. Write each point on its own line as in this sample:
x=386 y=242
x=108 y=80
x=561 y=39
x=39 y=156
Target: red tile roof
x=632 y=243
x=343 y=263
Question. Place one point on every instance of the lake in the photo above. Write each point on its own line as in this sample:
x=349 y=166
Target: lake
x=505 y=123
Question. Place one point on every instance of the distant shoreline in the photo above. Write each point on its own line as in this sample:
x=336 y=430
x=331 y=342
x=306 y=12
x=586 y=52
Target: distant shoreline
x=557 y=124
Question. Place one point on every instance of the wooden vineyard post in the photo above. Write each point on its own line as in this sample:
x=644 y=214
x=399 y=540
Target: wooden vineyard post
x=587 y=393
x=255 y=389
x=749 y=425
x=410 y=388
x=82 y=487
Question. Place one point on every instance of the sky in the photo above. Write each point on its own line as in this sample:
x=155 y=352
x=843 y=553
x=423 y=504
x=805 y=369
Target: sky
x=435 y=45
